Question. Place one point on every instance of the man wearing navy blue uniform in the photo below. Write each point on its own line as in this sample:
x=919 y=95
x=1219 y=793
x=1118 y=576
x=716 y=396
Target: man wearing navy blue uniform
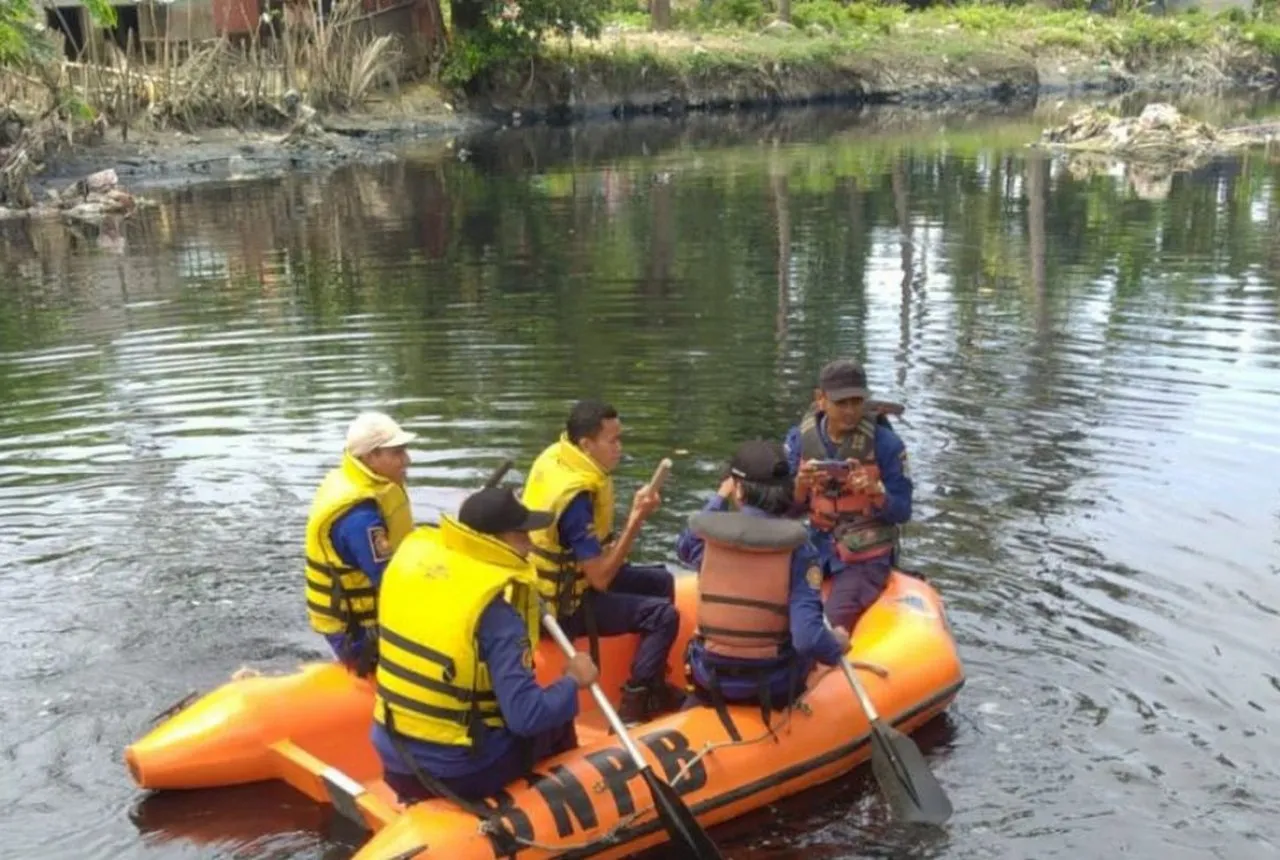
x=760 y=625
x=359 y=515
x=851 y=474
x=464 y=596
x=583 y=569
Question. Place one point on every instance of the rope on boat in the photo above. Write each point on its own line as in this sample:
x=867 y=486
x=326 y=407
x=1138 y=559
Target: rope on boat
x=609 y=837
x=612 y=834
x=799 y=704
x=710 y=746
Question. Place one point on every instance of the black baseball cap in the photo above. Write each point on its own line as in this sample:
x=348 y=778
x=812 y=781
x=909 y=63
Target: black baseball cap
x=842 y=379
x=760 y=461
x=494 y=510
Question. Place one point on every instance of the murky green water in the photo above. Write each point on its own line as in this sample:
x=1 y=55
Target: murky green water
x=1092 y=375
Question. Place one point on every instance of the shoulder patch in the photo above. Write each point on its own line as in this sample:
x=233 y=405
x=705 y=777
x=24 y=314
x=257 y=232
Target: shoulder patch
x=379 y=543
x=813 y=576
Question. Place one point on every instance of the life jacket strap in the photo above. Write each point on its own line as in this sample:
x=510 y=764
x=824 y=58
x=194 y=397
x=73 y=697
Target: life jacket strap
x=504 y=841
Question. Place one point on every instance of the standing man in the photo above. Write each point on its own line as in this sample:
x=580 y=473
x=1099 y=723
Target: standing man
x=359 y=515
x=583 y=571
x=851 y=475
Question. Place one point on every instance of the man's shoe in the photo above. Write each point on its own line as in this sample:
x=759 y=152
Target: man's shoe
x=642 y=702
x=664 y=698
x=634 y=707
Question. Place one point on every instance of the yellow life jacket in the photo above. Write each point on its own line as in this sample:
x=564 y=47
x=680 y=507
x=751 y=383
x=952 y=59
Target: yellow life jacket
x=560 y=473
x=430 y=677
x=341 y=490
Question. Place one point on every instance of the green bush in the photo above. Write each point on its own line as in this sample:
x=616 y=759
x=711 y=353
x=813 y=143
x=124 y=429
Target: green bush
x=515 y=30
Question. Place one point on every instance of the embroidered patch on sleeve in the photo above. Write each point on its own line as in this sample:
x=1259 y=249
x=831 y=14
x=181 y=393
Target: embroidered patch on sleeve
x=526 y=659
x=906 y=467
x=813 y=576
x=379 y=543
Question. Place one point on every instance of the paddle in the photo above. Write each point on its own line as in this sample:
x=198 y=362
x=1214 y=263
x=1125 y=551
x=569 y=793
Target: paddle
x=686 y=833
x=498 y=474
x=905 y=780
x=660 y=475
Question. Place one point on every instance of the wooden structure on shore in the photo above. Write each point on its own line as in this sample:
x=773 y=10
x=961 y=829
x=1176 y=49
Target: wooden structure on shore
x=173 y=27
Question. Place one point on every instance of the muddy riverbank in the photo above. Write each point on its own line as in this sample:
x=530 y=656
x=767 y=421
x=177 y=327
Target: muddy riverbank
x=923 y=62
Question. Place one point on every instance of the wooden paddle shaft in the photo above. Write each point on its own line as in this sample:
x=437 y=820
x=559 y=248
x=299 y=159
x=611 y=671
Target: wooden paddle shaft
x=660 y=474
x=549 y=621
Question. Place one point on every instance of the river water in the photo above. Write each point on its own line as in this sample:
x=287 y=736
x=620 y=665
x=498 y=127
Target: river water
x=1091 y=364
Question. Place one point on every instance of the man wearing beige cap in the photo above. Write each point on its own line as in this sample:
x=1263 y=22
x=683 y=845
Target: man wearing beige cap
x=359 y=516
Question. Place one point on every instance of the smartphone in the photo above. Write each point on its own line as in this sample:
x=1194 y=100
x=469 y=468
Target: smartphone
x=838 y=468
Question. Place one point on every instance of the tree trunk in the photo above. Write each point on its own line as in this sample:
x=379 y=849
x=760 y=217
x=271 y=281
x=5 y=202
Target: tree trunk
x=660 y=11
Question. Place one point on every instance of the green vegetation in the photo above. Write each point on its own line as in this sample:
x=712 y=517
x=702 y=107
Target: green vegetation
x=23 y=39
x=723 y=38
x=1031 y=25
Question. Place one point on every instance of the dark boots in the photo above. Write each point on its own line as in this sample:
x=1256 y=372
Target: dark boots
x=642 y=702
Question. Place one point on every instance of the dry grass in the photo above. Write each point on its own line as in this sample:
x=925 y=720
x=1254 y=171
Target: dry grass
x=331 y=64
x=320 y=64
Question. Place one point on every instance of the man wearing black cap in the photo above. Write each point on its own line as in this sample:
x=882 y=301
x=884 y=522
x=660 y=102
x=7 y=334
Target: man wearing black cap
x=457 y=707
x=759 y=584
x=850 y=472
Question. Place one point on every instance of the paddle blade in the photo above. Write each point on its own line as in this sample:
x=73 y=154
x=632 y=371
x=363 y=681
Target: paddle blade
x=688 y=839
x=908 y=785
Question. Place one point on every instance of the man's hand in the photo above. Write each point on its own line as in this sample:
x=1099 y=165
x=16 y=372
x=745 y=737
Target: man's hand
x=582 y=670
x=860 y=480
x=726 y=488
x=842 y=637
x=806 y=477
x=646 y=501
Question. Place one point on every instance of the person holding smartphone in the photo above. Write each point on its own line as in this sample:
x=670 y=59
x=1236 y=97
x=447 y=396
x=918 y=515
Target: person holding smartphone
x=852 y=479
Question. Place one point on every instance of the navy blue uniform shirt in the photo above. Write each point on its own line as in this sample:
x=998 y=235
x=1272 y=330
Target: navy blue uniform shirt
x=527 y=708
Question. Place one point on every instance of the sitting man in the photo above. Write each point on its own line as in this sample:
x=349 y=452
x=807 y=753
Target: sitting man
x=851 y=475
x=760 y=624
x=358 y=517
x=458 y=710
x=583 y=571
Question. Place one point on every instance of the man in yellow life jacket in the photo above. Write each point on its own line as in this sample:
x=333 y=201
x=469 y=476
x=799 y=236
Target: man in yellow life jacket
x=582 y=567
x=851 y=475
x=458 y=710
x=760 y=625
x=359 y=515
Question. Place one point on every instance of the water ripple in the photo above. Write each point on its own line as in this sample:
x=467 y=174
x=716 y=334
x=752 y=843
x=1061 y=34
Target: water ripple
x=1089 y=426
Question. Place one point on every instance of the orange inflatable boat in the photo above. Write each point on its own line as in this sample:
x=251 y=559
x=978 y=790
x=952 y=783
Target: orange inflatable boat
x=311 y=729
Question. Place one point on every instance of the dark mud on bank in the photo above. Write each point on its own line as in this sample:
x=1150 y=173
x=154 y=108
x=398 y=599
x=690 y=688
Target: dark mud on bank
x=604 y=91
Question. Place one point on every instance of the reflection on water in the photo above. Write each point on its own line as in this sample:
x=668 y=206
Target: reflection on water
x=1090 y=377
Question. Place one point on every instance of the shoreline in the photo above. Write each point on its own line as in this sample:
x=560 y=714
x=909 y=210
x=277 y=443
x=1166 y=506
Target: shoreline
x=629 y=73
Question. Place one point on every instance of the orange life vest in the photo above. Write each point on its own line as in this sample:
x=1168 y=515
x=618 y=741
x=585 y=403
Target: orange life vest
x=744 y=584
x=849 y=517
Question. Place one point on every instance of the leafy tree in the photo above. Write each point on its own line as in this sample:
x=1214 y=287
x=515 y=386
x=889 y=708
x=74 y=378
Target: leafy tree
x=23 y=37
x=490 y=31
